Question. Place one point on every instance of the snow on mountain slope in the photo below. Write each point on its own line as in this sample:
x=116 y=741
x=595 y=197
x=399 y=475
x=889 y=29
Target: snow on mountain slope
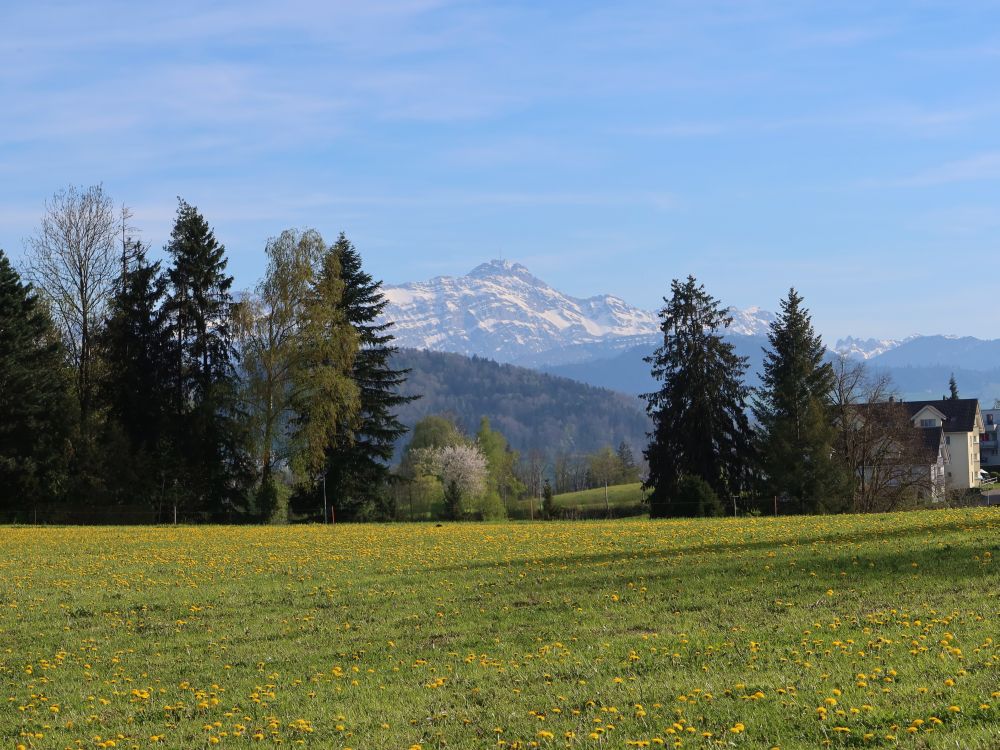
x=867 y=348
x=500 y=310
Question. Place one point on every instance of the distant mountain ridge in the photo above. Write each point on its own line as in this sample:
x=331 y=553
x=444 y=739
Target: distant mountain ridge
x=535 y=411
x=866 y=348
x=501 y=311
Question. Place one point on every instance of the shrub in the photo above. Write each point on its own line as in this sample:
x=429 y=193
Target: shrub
x=696 y=497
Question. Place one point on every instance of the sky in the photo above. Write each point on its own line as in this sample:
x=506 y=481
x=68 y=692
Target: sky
x=851 y=150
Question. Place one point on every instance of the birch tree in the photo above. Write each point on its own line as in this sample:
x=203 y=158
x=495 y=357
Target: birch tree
x=73 y=262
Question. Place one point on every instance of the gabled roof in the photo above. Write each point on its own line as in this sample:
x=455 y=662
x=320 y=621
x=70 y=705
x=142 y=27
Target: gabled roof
x=960 y=413
x=930 y=408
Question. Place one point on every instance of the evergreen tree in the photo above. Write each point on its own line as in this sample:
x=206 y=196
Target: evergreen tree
x=35 y=401
x=205 y=432
x=952 y=387
x=793 y=411
x=628 y=471
x=700 y=427
x=358 y=461
x=135 y=390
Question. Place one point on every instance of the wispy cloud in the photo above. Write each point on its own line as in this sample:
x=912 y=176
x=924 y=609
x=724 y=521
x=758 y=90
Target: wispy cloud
x=903 y=118
x=983 y=166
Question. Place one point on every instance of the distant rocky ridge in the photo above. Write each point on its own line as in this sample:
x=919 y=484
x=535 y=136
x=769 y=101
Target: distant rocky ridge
x=502 y=312
x=866 y=348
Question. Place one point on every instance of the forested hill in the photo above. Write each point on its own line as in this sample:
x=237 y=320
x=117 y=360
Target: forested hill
x=535 y=411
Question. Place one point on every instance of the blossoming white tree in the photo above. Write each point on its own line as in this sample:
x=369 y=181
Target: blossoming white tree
x=461 y=469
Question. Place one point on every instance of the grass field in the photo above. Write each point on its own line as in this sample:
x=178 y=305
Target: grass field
x=875 y=631
x=620 y=497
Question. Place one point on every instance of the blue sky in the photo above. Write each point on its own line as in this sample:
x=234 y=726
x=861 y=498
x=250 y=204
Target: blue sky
x=849 y=149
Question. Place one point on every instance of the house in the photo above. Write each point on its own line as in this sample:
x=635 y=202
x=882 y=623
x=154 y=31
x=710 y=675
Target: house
x=961 y=424
x=935 y=459
x=989 y=446
x=892 y=460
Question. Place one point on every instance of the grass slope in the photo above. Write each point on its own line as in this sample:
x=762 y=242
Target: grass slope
x=624 y=500
x=850 y=631
x=618 y=495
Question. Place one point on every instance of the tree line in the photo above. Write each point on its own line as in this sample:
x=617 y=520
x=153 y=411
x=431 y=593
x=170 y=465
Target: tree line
x=825 y=437
x=446 y=474
x=126 y=380
x=129 y=381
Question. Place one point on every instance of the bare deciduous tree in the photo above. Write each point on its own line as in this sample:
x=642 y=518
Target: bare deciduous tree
x=884 y=453
x=72 y=260
x=531 y=472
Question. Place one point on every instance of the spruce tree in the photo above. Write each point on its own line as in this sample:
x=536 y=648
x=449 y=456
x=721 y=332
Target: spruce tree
x=35 y=400
x=793 y=412
x=628 y=471
x=205 y=432
x=358 y=462
x=135 y=391
x=700 y=427
x=952 y=388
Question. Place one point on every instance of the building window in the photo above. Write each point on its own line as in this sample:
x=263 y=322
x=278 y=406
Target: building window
x=927 y=423
x=989 y=419
x=947 y=439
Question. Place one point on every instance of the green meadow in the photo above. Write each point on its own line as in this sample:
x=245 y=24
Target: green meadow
x=841 y=631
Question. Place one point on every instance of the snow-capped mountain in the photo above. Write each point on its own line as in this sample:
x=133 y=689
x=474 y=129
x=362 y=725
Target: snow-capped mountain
x=750 y=322
x=500 y=310
x=866 y=348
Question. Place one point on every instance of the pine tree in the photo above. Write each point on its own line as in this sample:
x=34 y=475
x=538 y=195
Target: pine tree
x=700 y=427
x=952 y=387
x=628 y=471
x=135 y=390
x=35 y=400
x=793 y=411
x=205 y=431
x=358 y=463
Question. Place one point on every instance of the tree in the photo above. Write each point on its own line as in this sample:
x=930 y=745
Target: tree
x=34 y=396
x=357 y=463
x=952 y=388
x=531 y=472
x=876 y=440
x=270 y=328
x=548 y=508
x=501 y=462
x=627 y=470
x=696 y=493
x=699 y=417
x=434 y=431
x=603 y=468
x=72 y=261
x=794 y=415
x=205 y=429
x=462 y=470
x=325 y=394
x=134 y=392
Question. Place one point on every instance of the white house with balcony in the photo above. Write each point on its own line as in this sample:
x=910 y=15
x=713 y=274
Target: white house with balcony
x=961 y=422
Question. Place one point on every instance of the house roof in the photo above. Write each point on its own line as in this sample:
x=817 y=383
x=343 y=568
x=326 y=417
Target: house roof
x=960 y=413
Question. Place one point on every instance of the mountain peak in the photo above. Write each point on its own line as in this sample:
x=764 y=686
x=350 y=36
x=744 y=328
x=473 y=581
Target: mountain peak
x=499 y=267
